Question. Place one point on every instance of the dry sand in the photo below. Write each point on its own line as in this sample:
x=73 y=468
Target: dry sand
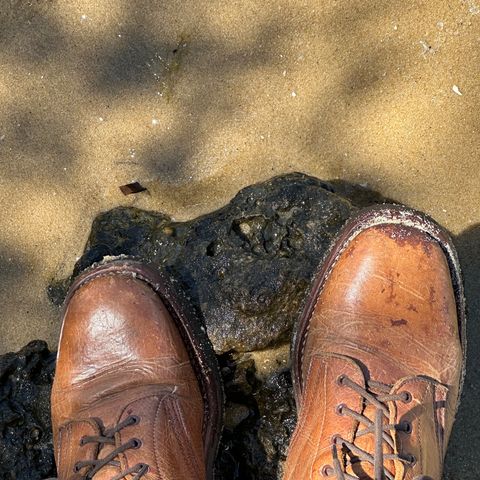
x=199 y=98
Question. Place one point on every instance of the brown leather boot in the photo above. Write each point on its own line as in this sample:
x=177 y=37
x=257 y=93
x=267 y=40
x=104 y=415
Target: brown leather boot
x=378 y=356
x=136 y=391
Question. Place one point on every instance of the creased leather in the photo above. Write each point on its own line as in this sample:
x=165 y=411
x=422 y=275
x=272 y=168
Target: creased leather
x=387 y=304
x=121 y=354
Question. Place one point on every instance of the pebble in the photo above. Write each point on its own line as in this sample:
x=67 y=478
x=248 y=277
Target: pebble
x=457 y=90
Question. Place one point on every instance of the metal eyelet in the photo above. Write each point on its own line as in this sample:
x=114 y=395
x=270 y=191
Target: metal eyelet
x=407 y=428
x=135 y=419
x=407 y=397
x=336 y=439
x=341 y=380
x=142 y=468
x=411 y=459
x=326 y=470
x=76 y=468
x=136 y=442
x=82 y=441
x=339 y=409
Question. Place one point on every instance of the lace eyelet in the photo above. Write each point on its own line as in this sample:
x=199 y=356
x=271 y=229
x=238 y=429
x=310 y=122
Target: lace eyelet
x=339 y=409
x=407 y=428
x=76 y=468
x=411 y=460
x=136 y=443
x=336 y=439
x=142 y=468
x=135 y=419
x=326 y=471
x=341 y=380
x=407 y=397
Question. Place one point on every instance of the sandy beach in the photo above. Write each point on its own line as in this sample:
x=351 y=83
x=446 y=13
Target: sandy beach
x=197 y=99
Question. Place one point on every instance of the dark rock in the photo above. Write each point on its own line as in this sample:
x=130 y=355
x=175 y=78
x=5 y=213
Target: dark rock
x=26 y=451
x=246 y=269
x=255 y=447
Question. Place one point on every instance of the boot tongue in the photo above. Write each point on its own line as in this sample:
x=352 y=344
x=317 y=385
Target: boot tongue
x=364 y=470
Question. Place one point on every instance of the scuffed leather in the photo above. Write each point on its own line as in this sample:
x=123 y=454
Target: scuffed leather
x=121 y=354
x=388 y=305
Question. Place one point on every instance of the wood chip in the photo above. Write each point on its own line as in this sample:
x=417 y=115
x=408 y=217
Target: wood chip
x=131 y=188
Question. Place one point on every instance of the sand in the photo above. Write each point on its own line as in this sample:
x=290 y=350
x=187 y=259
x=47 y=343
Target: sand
x=196 y=99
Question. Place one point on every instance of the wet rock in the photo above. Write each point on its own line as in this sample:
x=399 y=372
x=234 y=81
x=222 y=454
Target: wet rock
x=26 y=451
x=256 y=446
x=246 y=269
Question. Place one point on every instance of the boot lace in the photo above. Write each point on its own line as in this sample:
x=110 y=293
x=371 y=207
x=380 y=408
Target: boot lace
x=108 y=438
x=383 y=433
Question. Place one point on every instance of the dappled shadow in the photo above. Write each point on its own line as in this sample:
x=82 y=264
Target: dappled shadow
x=13 y=269
x=39 y=144
x=136 y=61
x=133 y=61
x=29 y=31
x=360 y=196
x=366 y=70
x=141 y=64
x=88 y=102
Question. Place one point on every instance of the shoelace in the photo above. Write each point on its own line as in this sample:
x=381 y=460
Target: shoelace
x=108 y=438
x=382 y=433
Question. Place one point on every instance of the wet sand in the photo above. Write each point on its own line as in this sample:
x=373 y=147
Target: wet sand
x=197 y=99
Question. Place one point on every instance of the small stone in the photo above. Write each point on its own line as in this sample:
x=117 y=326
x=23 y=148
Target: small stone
x=167 y=230
x=131 y=188
x=456 y=90
x=245 y=228
x=235 y=414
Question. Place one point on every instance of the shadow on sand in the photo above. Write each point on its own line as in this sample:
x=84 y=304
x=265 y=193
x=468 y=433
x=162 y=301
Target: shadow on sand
x=461 y=462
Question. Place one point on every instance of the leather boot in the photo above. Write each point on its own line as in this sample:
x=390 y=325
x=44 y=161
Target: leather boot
x=136 y=393
x=378 y=354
